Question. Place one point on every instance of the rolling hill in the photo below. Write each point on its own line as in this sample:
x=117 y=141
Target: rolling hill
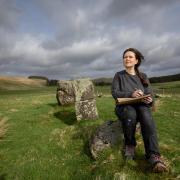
x=15 y=83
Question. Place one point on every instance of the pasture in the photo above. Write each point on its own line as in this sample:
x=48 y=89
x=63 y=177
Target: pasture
x=44 y=140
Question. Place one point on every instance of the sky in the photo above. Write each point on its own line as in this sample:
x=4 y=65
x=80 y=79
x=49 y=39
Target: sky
x=69 y=39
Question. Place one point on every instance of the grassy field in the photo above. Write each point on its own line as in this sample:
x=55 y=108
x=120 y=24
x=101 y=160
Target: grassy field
x=44 y=140
x=171 y=88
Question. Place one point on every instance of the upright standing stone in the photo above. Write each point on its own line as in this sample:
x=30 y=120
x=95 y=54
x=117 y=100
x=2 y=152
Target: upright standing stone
x=65 y=92
x=86 y=109
x=80 y=92
x=85 y=102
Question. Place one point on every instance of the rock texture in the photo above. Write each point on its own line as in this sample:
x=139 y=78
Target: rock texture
x=65 y=93
x=108 y=134
x=80 y=92
x=86 y=109
x=85 y=102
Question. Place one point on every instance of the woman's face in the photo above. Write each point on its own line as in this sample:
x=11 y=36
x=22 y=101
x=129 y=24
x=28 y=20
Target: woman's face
x=129 y=59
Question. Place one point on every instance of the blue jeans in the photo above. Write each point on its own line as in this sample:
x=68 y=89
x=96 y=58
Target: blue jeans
x=129 y=115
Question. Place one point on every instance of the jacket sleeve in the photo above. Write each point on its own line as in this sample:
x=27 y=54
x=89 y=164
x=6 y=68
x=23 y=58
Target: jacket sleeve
x=116 y=90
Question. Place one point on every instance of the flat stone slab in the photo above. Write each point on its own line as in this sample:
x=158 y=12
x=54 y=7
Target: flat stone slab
x=108 y=134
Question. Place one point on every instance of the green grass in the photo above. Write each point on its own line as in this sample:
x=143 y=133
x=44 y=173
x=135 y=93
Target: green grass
x=102 y=89
x=44 y=140
x=172 y=88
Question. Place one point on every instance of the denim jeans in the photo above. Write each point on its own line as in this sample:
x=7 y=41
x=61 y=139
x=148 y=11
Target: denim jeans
x=129 y=115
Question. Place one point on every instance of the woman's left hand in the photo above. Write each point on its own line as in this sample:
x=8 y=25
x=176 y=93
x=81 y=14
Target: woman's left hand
x=147 y=100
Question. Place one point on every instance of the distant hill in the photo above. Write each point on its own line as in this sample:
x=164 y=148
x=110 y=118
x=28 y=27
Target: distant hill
x=102 y=81
x=169 y=78
x=160 y=79
x=15 y=83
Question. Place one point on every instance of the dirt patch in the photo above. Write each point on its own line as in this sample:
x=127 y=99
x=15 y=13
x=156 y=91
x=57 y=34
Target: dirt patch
x=3 y=127
x=156 y=105
x=14 y=110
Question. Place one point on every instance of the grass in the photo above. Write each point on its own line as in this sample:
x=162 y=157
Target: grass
x=172 y=88
x=44 y=140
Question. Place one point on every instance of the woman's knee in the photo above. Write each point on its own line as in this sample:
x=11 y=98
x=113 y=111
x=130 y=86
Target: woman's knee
x=145 y=115
x=148 y=124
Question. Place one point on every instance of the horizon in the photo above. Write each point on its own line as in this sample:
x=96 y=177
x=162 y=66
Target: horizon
x=1 y=75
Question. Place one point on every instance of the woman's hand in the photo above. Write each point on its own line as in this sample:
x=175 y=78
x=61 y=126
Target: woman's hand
x=137 y=93
x=147 y=100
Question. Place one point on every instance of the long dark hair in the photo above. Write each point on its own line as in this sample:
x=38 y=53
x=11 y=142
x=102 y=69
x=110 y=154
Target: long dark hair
x=139 y=57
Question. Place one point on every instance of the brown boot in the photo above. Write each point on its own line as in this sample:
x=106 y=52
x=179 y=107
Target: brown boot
x=158 y=166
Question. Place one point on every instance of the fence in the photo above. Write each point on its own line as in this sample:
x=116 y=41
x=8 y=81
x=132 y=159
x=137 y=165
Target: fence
x=166 y=92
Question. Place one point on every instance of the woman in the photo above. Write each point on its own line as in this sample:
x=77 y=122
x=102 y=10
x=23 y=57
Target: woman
x=132 y=83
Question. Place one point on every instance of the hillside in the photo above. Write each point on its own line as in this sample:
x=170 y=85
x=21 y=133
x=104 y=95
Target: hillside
x=15 y=83
x=175 y=77
x=160 y=79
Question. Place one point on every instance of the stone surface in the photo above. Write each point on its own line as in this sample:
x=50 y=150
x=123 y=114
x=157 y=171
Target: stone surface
x=86 y=109
x=108 y=134
x=85 y=102
x=64 y=99
x=65 y=93
x=80 y=92
x=83 y=89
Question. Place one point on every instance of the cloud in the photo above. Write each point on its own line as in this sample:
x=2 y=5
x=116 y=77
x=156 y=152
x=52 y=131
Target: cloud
x=28 y=54
x=9 y=13
x=88 y=38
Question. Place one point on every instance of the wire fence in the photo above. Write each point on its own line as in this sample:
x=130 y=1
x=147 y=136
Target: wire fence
x=167 y=92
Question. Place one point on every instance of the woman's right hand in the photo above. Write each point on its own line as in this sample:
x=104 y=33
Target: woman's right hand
x=148 y=100
x=137 y=93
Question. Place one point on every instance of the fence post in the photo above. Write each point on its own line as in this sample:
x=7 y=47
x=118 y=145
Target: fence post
x=163 y=91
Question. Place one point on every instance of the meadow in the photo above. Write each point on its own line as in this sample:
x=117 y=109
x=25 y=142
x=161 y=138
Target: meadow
x=44 y=141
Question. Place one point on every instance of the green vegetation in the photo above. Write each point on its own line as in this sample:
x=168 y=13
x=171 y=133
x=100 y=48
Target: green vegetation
x=44 y=140
x=169 y=78
x=172 y=88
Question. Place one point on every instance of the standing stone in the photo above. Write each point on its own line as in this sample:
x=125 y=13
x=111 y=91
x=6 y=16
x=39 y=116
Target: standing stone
x=80 y=92
x=65 y=92
x=85 y=102
x=86 y=109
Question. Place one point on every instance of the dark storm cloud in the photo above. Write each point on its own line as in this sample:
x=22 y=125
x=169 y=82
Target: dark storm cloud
x=152 y=16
